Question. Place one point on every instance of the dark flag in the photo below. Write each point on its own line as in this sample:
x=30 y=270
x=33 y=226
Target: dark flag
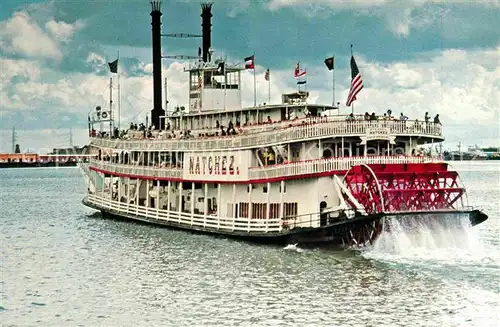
x=250 y=62
x=301 y=82
x=266 y=75
x=356 y=82
x=113 y=66
x=330 y=63
x=221 y=69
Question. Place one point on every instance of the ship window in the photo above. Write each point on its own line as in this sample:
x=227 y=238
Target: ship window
x=284 y=188
x=264 y=189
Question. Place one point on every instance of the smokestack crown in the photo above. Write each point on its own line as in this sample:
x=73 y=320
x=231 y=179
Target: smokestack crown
x=155 y=5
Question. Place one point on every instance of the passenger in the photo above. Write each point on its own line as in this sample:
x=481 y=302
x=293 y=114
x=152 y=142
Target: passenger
x=436 y=120
x=373 y=116
x=269 y=119
x=427 y=117
x=402 y=117
x=367 y=116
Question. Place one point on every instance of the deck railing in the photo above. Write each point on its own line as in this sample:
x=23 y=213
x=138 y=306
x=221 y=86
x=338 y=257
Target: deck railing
x=183 y=219
x=276 y=136
x=327 y=165
x=284 y=170
x=137 y=170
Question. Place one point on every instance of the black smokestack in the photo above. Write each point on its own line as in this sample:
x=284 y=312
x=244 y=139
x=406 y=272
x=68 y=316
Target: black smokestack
x=206 y=24
x=156 y=29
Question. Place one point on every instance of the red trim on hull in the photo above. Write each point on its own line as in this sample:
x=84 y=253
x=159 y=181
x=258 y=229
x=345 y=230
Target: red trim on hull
x=251 y=181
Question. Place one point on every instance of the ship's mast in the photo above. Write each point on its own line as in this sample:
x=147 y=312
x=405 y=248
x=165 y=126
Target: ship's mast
x=70 y=137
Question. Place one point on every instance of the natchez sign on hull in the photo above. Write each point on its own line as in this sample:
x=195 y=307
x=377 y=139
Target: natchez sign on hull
x=228 y=166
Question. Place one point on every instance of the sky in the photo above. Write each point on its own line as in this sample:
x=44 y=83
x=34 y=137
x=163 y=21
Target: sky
x=415 y=56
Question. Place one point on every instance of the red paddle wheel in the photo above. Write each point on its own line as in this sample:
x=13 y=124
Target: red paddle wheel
x=393 y=188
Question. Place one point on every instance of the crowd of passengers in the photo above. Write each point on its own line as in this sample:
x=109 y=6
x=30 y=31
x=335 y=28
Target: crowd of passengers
x=388 y=116
x=236 y=128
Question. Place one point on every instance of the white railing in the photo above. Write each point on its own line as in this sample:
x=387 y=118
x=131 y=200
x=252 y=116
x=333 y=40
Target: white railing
x=327 y=165
x=284 y=170
x=276 y=136
x=183 y=219
x=137 y=170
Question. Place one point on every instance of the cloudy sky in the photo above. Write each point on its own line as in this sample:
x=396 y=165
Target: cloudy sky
x=440 y=56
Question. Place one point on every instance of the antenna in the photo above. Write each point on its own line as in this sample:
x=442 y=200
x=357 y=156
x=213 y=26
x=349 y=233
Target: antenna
x=70 y=137
x=181 y=35
x=180 y=57
x=166 y=96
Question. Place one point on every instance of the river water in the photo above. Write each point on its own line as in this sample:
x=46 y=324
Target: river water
x=63 y=265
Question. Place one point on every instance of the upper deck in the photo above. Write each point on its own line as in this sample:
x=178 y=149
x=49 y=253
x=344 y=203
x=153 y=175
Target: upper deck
x=274 y=133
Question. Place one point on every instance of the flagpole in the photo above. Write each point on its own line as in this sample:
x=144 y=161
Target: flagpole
x=119 y=92
x=352 y=103
x=110 y=106
x=225 y=82
x=305 y=87
x=254 y=84
x=269 y=85
x=333 y=81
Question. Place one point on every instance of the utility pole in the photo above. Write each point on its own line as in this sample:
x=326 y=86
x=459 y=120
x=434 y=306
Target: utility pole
x=13 y=140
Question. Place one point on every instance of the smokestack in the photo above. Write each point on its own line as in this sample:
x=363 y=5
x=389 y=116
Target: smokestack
x=206 y=24
x=156 y=33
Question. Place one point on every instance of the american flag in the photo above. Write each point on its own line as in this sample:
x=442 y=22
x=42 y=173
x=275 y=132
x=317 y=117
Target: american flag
x=356 y=82
x=299 y=72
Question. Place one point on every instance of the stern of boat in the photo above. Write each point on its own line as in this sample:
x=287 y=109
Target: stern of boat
x=412 y=196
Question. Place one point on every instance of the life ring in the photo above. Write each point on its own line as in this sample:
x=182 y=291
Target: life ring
x=104 y=115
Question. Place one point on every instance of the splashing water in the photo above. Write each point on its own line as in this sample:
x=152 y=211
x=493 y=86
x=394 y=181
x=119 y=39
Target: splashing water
x=420 y=238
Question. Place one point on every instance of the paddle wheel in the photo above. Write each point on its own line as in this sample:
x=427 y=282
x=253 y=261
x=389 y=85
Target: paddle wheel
x=393 y=188
x=362 y=234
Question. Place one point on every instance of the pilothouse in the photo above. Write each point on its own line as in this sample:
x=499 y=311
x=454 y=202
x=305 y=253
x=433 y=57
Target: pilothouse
x=278 y=172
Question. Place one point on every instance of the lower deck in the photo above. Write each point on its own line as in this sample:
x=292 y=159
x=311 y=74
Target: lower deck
x=263 y=208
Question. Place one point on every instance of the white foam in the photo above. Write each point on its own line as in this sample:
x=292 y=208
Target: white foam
x=293 y=247
x=445 y=239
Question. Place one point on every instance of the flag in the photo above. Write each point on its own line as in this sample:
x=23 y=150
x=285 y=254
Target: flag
x=330 y=63
x=221 y=69
x=113 y=66
x=301 y=82
x=356 y=82
x=298 y=72
x=250 y=62
x=266 y=75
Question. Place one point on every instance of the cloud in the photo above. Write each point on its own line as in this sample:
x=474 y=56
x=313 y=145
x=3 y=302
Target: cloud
x=400 y=16
x=63 y=31
x=22 y=36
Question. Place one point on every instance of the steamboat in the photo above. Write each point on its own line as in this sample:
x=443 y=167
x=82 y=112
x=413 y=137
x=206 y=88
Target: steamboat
x=280 y=173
